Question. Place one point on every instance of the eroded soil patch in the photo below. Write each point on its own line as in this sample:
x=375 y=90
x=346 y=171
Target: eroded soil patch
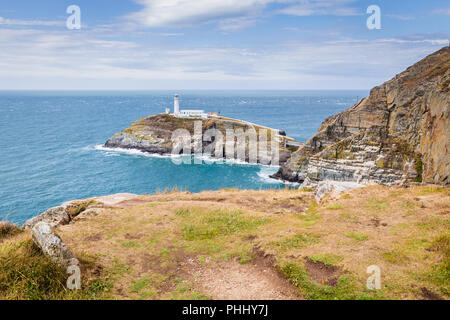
x=322 y=273
x=233 y=281
x=430 y=295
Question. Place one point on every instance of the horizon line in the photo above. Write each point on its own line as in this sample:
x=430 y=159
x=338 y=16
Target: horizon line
x=162 y=90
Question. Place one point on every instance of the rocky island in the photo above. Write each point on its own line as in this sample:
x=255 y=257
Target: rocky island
x=153 y=135
x=399 y=134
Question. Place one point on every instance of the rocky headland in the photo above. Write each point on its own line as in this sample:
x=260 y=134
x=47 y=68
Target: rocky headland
x=398 y=135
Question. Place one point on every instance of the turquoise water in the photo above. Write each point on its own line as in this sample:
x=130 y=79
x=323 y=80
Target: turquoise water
x=49 y=142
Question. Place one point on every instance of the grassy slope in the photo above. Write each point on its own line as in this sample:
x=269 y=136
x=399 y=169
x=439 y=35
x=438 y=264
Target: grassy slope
x=154 y=247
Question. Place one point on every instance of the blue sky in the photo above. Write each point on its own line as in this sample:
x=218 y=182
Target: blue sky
x=214 y=44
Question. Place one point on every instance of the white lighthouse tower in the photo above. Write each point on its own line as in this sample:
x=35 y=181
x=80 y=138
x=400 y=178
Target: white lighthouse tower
x=176 y=105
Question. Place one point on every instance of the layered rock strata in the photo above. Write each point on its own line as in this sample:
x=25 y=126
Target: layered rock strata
x=399 y=134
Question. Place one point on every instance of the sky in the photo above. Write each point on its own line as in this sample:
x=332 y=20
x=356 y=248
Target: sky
x=214 y=44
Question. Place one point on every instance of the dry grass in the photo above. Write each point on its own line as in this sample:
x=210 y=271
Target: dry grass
x=8 y=230
x=147 y=246
x=26 y=274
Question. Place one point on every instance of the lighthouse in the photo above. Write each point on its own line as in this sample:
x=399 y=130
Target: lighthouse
x=176 y=105
x=186 y=113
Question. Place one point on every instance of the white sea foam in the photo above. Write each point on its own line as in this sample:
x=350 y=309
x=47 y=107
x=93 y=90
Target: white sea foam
x=205 y=158
x=134 y=152
x=232 y=162
x=265 y=173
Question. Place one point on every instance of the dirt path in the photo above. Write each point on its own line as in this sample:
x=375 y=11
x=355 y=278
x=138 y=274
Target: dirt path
x=231 y=280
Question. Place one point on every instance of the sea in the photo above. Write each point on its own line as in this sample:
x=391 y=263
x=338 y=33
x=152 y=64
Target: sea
x=51 y=143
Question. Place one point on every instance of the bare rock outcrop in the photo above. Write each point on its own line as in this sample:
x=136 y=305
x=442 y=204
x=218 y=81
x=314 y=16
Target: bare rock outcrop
x=43 y=226
x=65 y=213
x=334 y=188
x=77 y=209
x=52 y=245
x=399 y=134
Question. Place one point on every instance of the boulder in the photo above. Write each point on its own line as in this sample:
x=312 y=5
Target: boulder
x=52 y=245
x=53 y=217
x=77 y=209
x=334 y=188
x=67 y=212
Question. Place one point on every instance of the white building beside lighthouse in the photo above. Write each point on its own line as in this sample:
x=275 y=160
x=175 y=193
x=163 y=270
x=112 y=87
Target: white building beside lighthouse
x=186 y=113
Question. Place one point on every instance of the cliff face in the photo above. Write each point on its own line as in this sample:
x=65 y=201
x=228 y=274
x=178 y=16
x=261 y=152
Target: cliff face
x=154 y=135
x=399 y=133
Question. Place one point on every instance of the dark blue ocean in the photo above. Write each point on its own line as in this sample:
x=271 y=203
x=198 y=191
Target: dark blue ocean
x=49 y=142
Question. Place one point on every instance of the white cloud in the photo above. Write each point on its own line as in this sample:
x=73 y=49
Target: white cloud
x=434 y=42
x=442 y=11
x=230 y=14
x=15 y=22
x=164 y=13
x=322 y=7
x=400 y=17
x=38 y=59
x=234 y=24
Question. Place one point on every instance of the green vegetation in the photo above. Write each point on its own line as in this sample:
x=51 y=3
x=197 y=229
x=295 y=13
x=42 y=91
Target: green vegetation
x=419 y=170
x=209 y=225
x=395 y=257
x=376 y=204
x=357 y=236
x=433 y=223
x=300 y=240
x=229 y=189
x=131 y=244
x=151 y=204
x=335 y=207
x=408 y=204
x=328 y=259
x=346 y=288
x=138 y=285
x=380 y=163
x=348 y=217
x=313 y=207
x=310 y=219
x=439 y=274
x=183 y=212
x=184 y=291
x=198 y=296
x=432 y=189
x=78 y=207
